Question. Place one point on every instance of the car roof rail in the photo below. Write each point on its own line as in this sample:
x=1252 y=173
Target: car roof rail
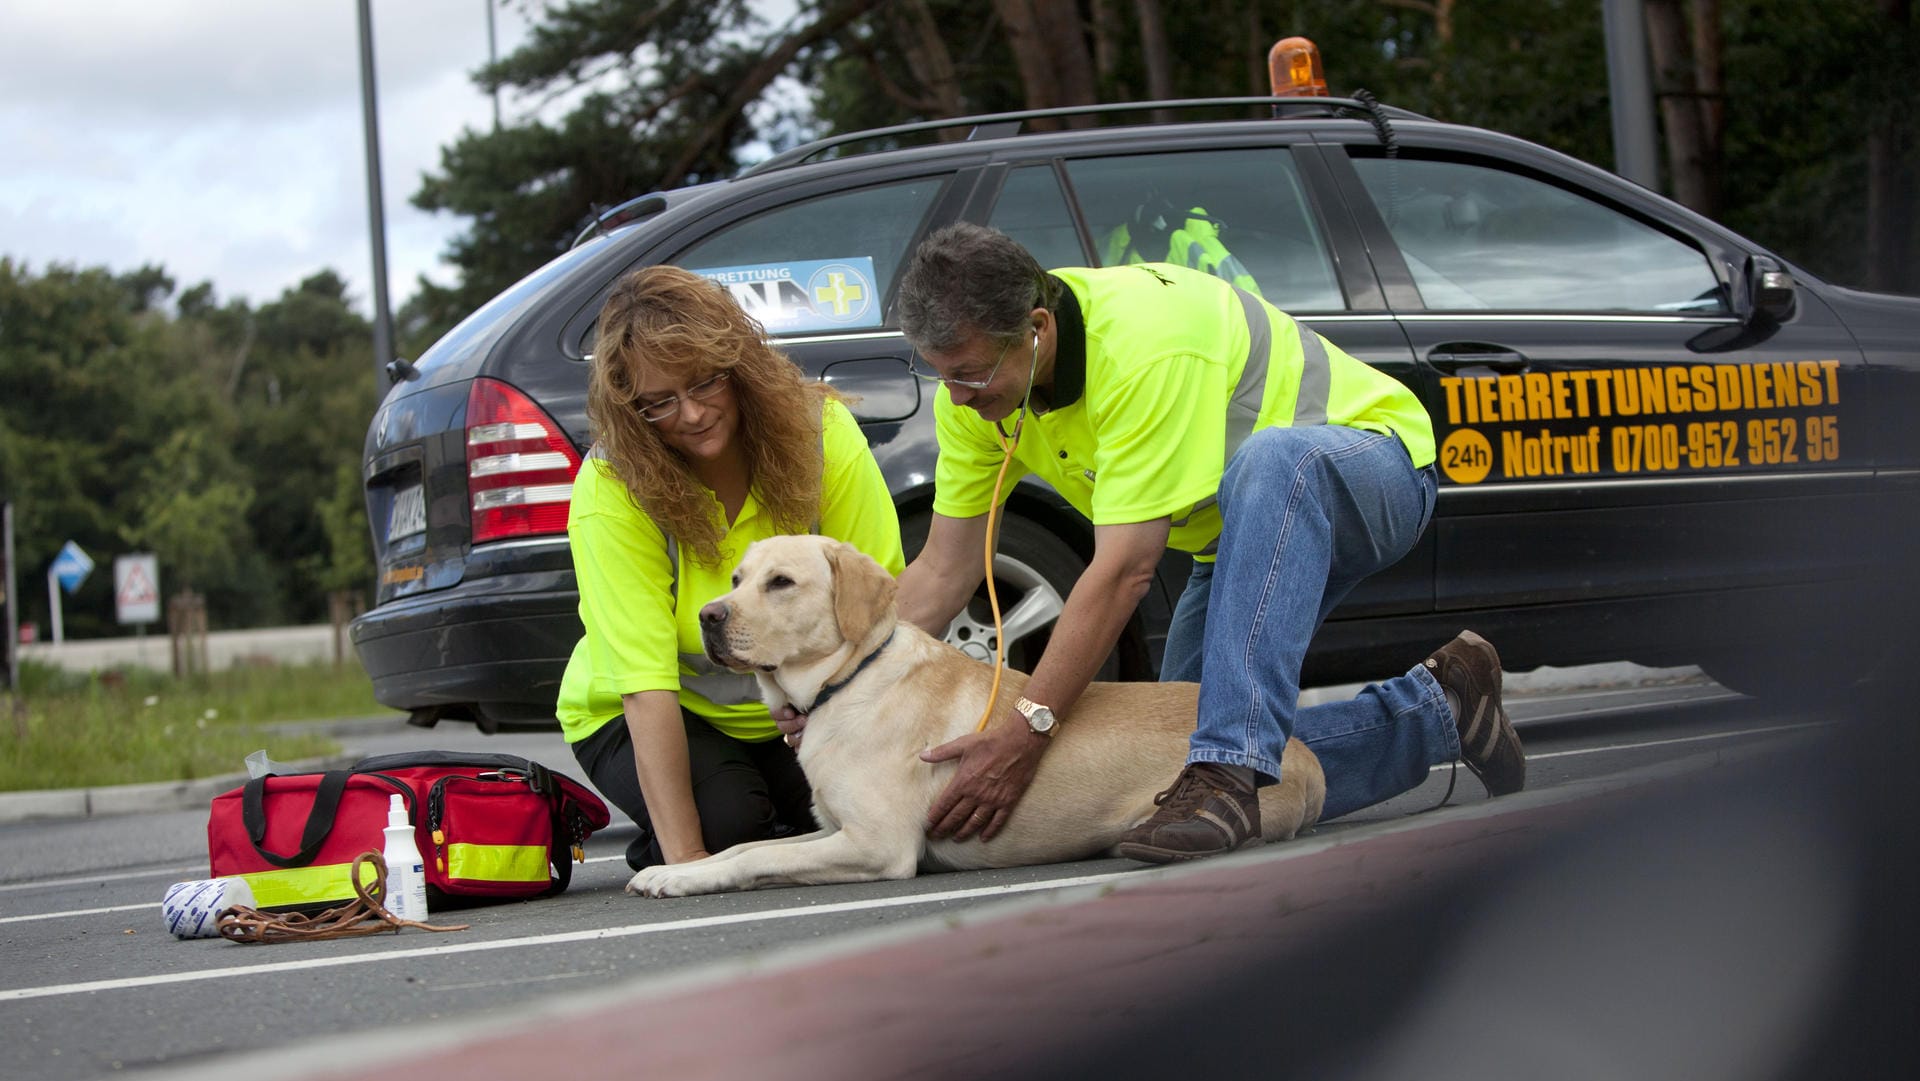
x=1003 y=125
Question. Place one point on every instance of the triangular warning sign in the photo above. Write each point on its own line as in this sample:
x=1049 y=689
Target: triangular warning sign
x=137 y=588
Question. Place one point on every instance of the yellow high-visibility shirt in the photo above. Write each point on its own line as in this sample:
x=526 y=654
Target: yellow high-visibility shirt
x=1159 y=373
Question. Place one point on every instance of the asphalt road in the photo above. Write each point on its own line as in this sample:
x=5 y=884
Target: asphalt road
x=92 y=985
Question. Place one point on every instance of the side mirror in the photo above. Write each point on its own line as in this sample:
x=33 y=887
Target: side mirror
x=400 y=369
x=1764 y=297
x=1770 y=291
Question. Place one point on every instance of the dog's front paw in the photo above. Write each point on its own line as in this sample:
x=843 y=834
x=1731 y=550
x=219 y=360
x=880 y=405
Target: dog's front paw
x=669 y=880
x=647 y=883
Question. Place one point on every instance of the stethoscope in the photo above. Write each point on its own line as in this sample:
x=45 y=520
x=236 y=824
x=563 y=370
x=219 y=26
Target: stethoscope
x=1008 y=444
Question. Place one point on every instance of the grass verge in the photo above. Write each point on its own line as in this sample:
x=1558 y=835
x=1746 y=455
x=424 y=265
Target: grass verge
x=125 y=726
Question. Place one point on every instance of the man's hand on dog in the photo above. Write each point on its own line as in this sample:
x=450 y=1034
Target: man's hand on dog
x=996 y=766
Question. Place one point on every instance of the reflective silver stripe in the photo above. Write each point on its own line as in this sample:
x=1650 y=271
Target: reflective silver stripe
x=1316 y=379
x=1243 y=408
x=716 y=684
x=1195 y=509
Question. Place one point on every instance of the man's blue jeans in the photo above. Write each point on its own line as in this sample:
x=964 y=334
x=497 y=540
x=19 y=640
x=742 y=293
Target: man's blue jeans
x=1307 y=512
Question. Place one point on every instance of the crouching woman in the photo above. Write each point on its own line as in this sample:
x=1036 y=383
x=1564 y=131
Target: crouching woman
x=707 y=439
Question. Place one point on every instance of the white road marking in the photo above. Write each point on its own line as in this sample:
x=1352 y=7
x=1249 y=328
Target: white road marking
x=1678 y=739
x=76 y=912
x=1538 y=756
x=18 y=993
x=1604 y=702
x=196 y=871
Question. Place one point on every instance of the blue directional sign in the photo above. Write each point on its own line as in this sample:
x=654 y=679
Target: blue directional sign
x=71 y=567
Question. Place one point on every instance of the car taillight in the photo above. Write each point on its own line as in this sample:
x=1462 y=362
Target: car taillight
x=520 y=465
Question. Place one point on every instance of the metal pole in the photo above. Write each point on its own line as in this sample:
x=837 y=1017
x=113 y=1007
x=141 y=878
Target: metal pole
x=1630 y=86
x=13 y=612
x=382 y=314
x=493 y=57
x=53 y=603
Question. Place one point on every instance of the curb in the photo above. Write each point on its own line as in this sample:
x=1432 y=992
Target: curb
x=125 y=799
x=157 y=796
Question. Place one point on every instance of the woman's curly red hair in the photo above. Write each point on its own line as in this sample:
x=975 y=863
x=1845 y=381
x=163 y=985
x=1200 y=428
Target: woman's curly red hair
x=670 y=321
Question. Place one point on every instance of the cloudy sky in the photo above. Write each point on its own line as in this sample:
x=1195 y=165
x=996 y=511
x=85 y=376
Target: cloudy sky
x=223 y=138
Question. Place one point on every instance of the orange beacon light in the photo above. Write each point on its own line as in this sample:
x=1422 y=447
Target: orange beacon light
x=1293 y=65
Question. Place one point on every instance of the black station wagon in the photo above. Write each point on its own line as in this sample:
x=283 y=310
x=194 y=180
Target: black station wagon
x=1659 y=441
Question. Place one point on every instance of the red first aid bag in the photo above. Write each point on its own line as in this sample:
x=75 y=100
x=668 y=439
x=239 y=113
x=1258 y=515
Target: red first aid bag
x=488 y=825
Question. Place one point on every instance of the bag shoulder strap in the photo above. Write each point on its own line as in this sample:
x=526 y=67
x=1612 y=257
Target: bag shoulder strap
x=381 y=763
x=326 y=804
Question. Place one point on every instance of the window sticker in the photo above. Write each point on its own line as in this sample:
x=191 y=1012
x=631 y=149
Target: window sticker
x=806 y=295
x=1633 y=421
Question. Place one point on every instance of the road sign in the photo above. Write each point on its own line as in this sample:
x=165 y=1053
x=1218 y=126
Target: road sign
x=136 y=588
x=71 y=567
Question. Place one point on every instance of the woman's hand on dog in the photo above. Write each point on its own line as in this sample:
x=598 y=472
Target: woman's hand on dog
x=790 y=722
x=996 y=766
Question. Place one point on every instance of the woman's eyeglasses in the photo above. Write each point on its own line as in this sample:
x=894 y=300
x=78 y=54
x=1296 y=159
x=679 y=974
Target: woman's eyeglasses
x=914 y=362
x=655 y=412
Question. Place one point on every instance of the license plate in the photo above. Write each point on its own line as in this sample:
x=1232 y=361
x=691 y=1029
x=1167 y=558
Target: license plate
x=409 y=514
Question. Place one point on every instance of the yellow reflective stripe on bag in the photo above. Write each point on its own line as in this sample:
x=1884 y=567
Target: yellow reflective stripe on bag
x=291 y=887
x=497 y=863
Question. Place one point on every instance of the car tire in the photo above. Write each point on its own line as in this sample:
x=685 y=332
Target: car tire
x=1034 y=570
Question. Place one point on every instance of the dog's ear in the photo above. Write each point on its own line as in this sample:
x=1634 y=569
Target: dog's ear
x=862 y=590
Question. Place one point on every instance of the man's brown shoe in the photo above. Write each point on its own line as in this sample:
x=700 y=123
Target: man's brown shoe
x=1209 y=810
x=1469 y=669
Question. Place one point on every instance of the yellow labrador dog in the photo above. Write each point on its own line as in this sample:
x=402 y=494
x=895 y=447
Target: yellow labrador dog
x=814 y=620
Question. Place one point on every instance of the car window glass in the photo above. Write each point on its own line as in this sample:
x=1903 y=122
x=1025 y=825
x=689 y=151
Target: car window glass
x=1239 y=214
x=1477 y=237
x=1032 y=210
x=823 y=246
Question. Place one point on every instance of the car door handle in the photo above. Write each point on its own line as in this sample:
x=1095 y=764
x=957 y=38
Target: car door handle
x=1453 y=356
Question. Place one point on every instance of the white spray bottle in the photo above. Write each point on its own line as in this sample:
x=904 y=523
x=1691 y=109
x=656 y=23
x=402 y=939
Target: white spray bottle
x=406 y=872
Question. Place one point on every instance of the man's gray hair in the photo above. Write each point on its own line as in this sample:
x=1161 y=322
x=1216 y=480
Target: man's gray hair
x=967 y=279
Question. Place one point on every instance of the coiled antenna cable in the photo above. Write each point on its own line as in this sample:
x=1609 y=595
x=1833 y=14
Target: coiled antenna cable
x=1378 y=117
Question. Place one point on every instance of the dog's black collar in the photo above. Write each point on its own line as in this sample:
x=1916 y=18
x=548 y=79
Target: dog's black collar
x=831 y=689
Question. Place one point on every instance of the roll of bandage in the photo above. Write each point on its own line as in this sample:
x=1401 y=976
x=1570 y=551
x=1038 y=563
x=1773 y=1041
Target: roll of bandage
x=192 y=909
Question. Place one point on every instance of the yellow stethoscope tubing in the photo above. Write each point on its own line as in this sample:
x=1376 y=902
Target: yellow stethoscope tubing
x=1008 y=444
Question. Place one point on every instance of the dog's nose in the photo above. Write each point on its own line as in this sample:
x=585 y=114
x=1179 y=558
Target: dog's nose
x=714 y=613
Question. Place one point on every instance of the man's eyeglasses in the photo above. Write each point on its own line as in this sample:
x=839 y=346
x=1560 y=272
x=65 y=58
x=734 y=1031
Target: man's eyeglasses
x=914 y=362
x=655 y=412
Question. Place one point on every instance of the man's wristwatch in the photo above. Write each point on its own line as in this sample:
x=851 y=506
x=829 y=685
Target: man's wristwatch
x=1039 y=717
